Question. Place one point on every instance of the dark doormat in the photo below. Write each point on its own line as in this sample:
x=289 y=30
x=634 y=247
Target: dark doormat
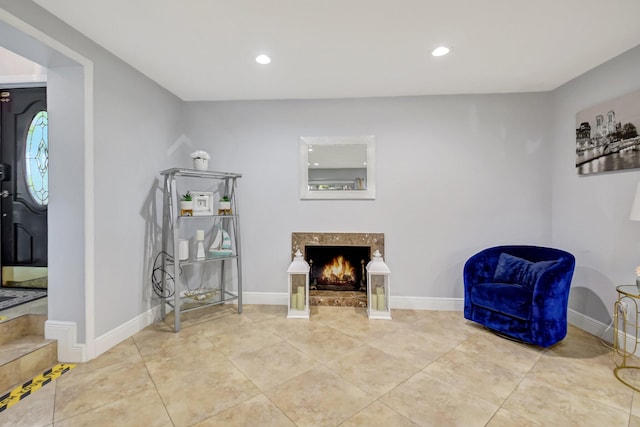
x=16 y=296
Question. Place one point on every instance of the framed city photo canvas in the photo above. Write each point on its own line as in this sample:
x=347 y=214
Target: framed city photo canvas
x=607 y=136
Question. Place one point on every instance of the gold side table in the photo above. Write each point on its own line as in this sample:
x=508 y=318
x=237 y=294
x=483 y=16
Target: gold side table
x=625 y=330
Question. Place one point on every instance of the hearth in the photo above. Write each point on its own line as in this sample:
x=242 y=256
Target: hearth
x=335 y=287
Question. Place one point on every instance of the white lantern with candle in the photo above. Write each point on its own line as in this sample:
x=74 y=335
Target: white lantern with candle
x=298 y=272
x=378 y=304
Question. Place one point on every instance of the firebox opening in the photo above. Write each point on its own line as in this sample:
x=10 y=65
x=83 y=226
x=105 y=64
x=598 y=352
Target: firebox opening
x=338 y=268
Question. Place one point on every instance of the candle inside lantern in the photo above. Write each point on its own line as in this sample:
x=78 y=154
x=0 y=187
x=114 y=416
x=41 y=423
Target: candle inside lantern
x=301 y=298
x=374 y=302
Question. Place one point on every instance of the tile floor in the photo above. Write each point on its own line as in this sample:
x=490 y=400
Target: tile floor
x=423 y=368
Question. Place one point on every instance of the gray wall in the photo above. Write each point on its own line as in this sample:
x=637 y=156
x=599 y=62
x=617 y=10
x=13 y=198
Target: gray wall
x=135 y=124
x=454 y=174
x=591 y=213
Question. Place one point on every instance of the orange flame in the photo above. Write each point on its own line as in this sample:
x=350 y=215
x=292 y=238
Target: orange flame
x=338 y=270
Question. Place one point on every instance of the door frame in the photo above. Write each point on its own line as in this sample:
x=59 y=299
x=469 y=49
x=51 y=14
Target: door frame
x=41 y=48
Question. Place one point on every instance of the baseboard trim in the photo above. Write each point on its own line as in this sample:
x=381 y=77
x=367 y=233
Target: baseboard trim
x=426 y=303
x=265 y=298
x=599 y=329
x=115 y=336
x=590 y=325
x=66 y=333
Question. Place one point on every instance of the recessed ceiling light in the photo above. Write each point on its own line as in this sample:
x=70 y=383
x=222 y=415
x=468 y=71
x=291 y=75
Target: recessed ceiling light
x=440 y=51
x=263 y=59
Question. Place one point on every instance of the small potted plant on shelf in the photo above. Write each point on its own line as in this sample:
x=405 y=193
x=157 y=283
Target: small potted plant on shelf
x=186 y=204
x=225 y=206
x=200 y=160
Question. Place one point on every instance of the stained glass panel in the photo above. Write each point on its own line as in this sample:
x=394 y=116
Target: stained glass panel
x=36 y=158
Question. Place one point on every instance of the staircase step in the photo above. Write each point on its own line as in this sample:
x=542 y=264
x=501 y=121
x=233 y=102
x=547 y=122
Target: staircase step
x=24 y=352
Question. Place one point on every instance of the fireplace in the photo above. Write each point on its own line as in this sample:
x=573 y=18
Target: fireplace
x=338 y=260
x=337 y=268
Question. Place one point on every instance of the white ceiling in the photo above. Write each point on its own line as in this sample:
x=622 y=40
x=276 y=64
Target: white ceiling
x=205 y=49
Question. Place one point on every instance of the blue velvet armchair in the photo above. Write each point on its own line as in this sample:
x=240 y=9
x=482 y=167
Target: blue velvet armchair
x=520 y=291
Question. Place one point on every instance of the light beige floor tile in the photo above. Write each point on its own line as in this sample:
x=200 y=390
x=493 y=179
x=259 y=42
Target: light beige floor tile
x=169 y=345
x=442 y=323
x=328 y=315
x=258 y=411
x=634 y=421
x=318 y=398
x=630 y=378
x=579 y=344
x=324 y=344
x=546 y=403
x=504 y=418
x=428 y=401
x=273 y=365
x=202 y=393
x=260 y=313
x=145 y=409
x=406 y=316
x=583 y=377
x=126 y=351
x=364 y=329
x=191 y=358
x=244 y=338
x=84 y=387
x=486 y=380
x=372 y=370
x=415 y=348
x=34 y=410
x=635 y=403
x=515 y=357
x=286 y=328
x=378 y=415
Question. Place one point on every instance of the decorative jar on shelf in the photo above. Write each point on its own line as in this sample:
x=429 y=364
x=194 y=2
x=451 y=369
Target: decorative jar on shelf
x=201 y=164
x=200 y=160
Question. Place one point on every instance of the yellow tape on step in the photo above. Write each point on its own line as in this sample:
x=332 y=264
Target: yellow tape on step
x=19 y=393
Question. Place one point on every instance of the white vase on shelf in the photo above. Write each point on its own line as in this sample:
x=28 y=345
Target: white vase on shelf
x=201 y=164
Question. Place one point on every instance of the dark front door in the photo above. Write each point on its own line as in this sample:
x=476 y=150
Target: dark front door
x=24 y=174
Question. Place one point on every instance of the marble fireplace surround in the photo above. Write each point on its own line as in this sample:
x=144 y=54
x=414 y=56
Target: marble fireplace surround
x=299 y=241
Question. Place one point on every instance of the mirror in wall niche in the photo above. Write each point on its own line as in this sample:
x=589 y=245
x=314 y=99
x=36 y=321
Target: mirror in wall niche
x=337 y=167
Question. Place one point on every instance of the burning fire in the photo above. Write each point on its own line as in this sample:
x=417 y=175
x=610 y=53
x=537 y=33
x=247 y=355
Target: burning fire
x=339 y=270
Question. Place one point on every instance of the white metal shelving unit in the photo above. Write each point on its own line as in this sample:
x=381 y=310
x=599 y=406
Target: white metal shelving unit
x=175 y=272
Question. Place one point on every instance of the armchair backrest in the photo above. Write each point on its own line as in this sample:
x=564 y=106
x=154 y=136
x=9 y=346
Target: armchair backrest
x=482 y=266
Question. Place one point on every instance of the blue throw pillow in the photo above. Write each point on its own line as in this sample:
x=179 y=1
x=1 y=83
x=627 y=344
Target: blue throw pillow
x=511 y=269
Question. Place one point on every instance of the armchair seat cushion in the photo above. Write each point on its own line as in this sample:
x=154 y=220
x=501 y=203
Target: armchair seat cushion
x=511 y=299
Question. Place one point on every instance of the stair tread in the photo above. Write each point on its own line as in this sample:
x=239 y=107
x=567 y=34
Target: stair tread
x=21 y=346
